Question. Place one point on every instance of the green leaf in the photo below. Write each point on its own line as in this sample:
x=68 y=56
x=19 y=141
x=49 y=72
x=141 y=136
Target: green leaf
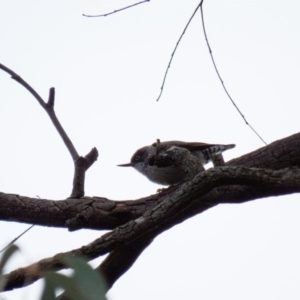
x=5 y=257
x=53 y=281
x=89 y=282
x=84 y=284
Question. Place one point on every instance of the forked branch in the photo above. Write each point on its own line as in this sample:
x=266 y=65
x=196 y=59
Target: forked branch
x=78 y=182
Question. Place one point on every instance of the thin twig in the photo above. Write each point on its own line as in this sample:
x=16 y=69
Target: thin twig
x=217 y=71
x=172 y=55
x=24 y=83
x=15 y=239
x=48 y=108
x=51 y=113
x=115 y=11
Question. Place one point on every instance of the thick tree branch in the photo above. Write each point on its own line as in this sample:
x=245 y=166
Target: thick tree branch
x=122 y=258
x=281 y=153
x=264 y=182
x=101 y=213
x=156 y=213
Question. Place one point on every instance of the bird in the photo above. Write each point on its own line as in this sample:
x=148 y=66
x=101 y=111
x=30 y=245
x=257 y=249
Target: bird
x=175 y=162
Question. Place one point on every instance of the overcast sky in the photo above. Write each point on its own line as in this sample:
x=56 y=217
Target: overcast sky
x=107 y=73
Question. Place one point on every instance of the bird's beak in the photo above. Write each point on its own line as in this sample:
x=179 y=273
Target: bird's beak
x=126 y=165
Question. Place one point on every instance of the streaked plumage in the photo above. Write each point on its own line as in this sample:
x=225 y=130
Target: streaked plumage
x=174 y=162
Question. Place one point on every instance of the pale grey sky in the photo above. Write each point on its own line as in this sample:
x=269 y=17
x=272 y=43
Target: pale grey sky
x=107 y=73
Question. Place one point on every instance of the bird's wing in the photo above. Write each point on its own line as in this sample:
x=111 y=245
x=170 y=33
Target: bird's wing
x=162 y=160
x=194 y=146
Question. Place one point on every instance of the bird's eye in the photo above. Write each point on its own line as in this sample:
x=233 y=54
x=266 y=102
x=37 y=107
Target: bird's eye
x=137 y=157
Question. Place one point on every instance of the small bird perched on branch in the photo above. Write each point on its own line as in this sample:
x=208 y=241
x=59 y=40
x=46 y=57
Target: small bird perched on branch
x=173 y=162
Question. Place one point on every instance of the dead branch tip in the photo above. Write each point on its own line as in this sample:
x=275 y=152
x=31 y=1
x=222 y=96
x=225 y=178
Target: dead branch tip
x=51 y=98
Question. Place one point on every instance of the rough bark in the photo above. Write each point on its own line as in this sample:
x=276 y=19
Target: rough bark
x=102 y=213
x=270 y=171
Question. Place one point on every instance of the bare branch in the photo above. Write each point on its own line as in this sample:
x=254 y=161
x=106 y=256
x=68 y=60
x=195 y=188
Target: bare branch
x=48 y=108
x=51 y=97
x=16 y=238
x=81 y=163
x=173 y=53
x=221 y=80
x=115 y=11
x=81 y=166
x=51 y=113
x=215 y=66
x=24 y=83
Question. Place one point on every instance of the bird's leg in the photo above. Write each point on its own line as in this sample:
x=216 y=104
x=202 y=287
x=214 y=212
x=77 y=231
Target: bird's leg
x=168 y=189
x=217 y=160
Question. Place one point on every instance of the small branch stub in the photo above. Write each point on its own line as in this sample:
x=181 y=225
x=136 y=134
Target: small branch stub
x=51 y=98
x=81 y=166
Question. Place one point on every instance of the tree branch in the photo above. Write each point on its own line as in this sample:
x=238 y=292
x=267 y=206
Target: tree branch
x=102 y=213
x=48 y=107
x=168 y=213
x=176 y=46
x=81 y=166
x=81 y=163
x=117 y=10
x=122 y=258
